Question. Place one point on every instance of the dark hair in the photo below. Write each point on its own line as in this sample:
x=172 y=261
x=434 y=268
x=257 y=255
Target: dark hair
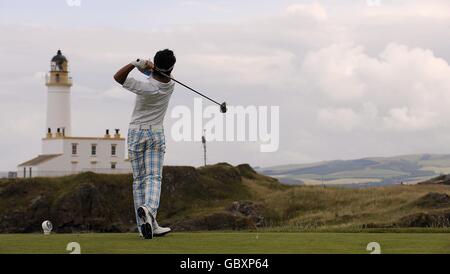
x=165 y=60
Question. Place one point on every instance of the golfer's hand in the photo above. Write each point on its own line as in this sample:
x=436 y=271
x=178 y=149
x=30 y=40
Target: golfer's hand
x=142 y=64
x=149 y=65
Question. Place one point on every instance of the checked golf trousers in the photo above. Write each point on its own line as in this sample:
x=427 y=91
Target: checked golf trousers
x=146 y=149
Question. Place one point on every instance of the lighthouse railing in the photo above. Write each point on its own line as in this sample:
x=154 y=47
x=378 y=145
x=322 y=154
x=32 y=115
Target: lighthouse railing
x=49 y=80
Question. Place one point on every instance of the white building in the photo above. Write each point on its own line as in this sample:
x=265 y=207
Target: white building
x=63 y=154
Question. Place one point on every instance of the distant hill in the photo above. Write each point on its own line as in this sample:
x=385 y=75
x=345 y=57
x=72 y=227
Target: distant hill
x=364 y=172
x=217 y=197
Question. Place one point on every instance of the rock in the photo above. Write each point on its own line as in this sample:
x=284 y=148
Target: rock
x=39 y=211
x=84 y=209
x=36 y=201
x=425 y=220
x=248 y=209
x=178 y=177
x=239 y=215
x=29 y=220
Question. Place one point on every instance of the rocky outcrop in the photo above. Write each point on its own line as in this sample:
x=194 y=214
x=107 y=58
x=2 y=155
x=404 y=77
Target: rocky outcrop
x=248 y=209
x=436 y=220
x=85 y=209
x=239 y=215
x=104 y=203
x=433 y=201
x=85 y=202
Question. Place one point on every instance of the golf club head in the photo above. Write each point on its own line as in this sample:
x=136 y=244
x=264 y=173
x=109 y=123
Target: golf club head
x=223 y=108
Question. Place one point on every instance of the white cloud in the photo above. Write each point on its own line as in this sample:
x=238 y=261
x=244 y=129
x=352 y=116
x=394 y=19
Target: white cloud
x=407 y=119
x=402 y=88
x=333 y=70
x=341 y=119
x=396 y=10
x=315 y=10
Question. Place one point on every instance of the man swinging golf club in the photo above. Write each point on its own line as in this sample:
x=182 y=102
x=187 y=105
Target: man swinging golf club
x=146 y=140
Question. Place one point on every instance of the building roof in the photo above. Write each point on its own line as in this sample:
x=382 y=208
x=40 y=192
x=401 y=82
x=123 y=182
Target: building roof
x=40 y=159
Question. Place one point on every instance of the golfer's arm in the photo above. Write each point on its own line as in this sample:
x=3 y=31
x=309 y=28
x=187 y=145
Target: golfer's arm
x=122 y=74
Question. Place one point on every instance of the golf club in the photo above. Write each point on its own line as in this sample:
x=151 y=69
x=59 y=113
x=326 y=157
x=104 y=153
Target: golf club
x=223 y=106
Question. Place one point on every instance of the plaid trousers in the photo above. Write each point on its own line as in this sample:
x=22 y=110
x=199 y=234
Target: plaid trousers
x=146 y=149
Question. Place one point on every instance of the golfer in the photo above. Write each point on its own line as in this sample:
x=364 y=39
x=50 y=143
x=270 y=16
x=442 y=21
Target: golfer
x=146 y=140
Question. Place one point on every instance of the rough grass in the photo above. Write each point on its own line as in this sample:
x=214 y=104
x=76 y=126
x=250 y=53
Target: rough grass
x=212 y=189
x=315 y=208
x=229 y=243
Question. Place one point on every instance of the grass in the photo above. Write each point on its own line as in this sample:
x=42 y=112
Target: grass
x=311 y=208
x=229 y=243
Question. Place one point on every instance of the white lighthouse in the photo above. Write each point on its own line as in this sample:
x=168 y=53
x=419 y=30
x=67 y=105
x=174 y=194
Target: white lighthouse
x=62 y=153
x=59 y=83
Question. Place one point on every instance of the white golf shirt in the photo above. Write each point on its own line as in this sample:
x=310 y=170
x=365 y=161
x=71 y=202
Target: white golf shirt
x=152 y=100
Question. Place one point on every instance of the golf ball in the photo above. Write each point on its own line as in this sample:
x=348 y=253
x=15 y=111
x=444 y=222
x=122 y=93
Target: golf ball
x=47 y=227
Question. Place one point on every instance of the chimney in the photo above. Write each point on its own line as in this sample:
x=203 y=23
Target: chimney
x=49 y=133
x=117 y=135
x=107 y=135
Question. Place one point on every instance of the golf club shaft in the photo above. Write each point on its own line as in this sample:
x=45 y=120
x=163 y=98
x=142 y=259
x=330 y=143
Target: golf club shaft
x=191 y=89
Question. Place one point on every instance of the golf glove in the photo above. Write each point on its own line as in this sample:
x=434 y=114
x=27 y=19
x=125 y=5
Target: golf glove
x=141 y=64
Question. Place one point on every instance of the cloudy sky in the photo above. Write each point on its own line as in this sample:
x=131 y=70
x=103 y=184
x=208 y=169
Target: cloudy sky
x=352 y=78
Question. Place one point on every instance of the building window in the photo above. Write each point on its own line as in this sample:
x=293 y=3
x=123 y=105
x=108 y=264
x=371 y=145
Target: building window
x=113 y=150
x=94 y=150
x=113 y=165
x=74 y=149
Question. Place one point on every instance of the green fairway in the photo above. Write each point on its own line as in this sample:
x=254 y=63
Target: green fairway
x=229 y=243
